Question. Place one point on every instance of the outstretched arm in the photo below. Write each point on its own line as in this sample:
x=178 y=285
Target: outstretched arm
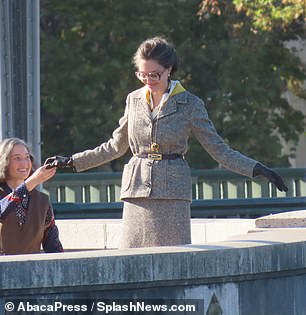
x=114 y=148
x=106 y=152
x=18 y=199
x=41 y=175
x=205 y=132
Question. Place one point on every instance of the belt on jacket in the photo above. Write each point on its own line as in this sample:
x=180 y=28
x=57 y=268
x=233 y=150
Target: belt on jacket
x=159 y=156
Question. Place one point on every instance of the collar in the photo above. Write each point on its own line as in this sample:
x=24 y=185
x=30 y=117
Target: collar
x=4 y=187
x=175 y=88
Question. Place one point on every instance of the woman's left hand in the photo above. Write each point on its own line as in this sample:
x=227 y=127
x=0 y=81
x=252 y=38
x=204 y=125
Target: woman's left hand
x=273 y=177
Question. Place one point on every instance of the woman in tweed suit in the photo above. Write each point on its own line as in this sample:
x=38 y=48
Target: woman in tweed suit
x=157 y=123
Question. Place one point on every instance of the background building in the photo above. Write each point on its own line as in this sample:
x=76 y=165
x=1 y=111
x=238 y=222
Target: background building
x=299 y=46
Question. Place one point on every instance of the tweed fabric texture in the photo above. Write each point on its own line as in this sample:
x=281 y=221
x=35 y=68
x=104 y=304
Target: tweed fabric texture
x=155 y=222
x=182 y=115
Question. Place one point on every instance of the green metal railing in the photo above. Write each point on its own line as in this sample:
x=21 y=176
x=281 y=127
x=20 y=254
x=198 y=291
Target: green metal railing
x=222 y=208
x=216 y=194
x=206 y=185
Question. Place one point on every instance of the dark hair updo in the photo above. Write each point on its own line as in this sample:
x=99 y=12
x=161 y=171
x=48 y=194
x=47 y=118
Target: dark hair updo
x=158 y=49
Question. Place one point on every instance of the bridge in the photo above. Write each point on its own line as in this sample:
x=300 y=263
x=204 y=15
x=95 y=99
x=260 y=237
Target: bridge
x=224 y=276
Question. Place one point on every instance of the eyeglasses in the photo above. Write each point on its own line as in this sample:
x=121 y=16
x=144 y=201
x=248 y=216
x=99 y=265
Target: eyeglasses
x=153 y=76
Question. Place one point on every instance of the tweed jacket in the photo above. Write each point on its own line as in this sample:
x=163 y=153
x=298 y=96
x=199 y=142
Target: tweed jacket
x=181 y=115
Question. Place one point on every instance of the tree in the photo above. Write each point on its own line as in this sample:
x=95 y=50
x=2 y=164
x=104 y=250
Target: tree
x=86 y=64
x=248 y=69
x=239 y=71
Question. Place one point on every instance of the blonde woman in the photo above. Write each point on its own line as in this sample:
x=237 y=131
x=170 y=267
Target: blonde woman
x=26 y=215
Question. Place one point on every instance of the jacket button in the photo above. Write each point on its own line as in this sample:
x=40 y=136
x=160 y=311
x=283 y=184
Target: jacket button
x=149 y=163
x=147 y=184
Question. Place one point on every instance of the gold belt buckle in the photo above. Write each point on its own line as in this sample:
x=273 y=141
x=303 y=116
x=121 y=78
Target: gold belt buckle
x=155 y=156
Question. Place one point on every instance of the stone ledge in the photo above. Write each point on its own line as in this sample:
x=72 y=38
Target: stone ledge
x=291 y=219
x=248 y=255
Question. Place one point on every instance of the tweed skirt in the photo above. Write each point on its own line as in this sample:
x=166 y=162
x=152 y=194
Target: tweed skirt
x=155 y=222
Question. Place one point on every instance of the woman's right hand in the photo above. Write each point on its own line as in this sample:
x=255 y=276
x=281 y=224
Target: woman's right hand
x=59 y=161
x=41 y=175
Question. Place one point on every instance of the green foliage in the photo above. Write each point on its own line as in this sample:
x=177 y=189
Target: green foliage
x=271 y=14
x=252 y=71
x=240 y=70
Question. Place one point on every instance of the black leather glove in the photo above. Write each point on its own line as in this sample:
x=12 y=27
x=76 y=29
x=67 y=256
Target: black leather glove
x=267 y=173
x=59 y=161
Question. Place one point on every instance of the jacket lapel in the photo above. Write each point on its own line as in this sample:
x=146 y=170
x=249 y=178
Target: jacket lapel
x=169 y=108
x=143 y=107
x=171 y=105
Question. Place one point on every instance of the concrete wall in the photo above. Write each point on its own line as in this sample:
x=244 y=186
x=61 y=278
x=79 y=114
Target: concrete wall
x=258 y=273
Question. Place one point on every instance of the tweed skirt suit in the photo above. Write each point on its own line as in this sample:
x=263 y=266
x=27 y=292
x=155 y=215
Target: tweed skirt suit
x=157 y=194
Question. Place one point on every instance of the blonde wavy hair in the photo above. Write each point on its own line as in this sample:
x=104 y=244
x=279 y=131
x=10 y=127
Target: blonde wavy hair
x=6 y=147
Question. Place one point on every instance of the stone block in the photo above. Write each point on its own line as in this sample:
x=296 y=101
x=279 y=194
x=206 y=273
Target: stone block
x=283 y=220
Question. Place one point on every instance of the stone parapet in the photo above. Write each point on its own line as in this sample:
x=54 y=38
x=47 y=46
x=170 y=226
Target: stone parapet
x=255 y=273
